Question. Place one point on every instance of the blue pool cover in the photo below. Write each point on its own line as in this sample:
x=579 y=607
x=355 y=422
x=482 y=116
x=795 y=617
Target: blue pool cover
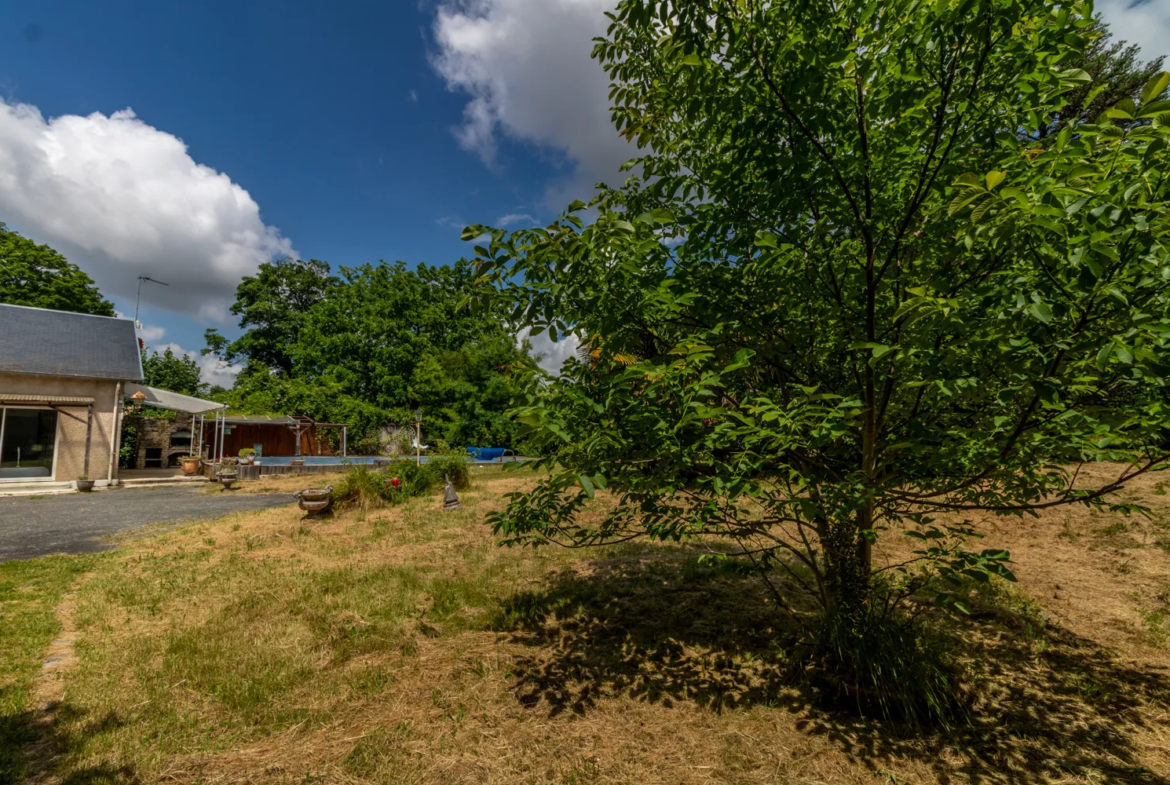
x=486 y=453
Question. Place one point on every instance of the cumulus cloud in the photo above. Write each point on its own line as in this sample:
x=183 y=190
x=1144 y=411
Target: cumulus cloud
x=151 y=333
x=122 y=199
x=212 y=370
x=1142 y=22
x=526 y=66
x=552 y=353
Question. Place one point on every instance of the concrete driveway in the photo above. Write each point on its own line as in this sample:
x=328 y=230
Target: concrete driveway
x=73 y=523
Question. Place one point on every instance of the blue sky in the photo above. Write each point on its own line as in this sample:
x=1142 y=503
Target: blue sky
x=338 y=125
x=348 y=132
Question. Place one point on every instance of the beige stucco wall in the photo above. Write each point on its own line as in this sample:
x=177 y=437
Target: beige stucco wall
x=71 y=421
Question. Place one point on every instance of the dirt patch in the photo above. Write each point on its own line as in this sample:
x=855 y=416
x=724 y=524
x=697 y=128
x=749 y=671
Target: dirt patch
x=48 y=694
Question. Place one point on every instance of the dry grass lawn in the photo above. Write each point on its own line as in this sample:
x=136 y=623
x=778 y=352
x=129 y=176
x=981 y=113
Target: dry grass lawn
x=405 y=646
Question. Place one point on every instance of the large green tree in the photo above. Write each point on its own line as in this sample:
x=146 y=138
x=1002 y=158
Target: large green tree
x=387 y=341
x=271 y=306
x=37 y=276
x=1115 y=72
x=169 y=371
x=849 y=293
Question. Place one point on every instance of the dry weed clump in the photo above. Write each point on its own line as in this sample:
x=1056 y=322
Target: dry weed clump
x=404 y=645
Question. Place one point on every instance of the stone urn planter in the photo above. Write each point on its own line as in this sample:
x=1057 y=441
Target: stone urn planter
x=228 y=476
x=85 y=486
x=190 y=465
x=313 y=500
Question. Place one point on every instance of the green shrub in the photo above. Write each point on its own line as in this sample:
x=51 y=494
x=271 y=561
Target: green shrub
x=453 y=465
x=364 y=488
x=247 y=452
x=887 y=666
x=361 y=488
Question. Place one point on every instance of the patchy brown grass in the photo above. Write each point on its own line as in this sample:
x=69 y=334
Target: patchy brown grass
x=404 y=646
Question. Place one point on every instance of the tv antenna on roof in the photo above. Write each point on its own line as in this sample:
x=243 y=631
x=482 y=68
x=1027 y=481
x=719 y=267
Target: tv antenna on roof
x=141 y=278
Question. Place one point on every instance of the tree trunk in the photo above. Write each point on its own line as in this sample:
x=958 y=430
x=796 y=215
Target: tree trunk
x=848 y=557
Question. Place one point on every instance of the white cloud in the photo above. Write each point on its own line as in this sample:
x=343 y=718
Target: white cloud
x=212 y=370
x=1142 y=22
x=552 y=353
x=215 y=371
x=151 y=333
x=527 y=68
x=122 y=199
x=515 y=218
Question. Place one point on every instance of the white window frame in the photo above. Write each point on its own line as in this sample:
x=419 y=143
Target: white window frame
x=56 y=442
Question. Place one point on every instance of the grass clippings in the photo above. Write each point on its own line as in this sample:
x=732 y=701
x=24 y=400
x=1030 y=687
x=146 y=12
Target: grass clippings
x=403 y=645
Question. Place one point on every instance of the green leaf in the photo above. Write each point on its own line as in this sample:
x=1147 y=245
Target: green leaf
x=1153 y=108
x=766 y=240
x=994 y=178
x=659 y=215
x=1103 y=356
x=692 y=59
x=1077 y=75
x=586 y=483
x=1155 y=86
x=1041 y=311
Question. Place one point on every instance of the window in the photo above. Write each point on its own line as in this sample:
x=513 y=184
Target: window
x=27 y=441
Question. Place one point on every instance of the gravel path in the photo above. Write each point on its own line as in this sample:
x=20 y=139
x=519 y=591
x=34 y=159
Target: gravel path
x=72 y=523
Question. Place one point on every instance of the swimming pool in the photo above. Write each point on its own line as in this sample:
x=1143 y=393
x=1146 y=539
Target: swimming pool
x=336 y=460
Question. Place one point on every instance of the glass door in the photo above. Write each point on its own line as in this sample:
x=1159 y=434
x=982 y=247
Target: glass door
x=27 y=441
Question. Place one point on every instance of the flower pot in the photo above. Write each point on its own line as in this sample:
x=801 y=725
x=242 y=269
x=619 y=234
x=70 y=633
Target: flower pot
x=313 y=500
x=246 y=460
x=85 y=486
x=190 y=466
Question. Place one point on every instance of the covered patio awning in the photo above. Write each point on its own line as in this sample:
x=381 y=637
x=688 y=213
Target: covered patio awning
x=165 y=399
x=50 y=400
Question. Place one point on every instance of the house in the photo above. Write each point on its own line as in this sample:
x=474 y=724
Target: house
x=61 y=387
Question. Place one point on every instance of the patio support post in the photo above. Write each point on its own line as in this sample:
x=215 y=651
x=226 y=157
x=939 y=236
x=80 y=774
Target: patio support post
x=343 y=442
x=88 y=437
x=115 y=435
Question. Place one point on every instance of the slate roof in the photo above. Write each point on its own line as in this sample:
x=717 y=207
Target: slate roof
x=58 y=343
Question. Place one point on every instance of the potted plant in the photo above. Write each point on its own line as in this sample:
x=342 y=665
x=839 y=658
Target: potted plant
x=247 y=455
x=190 y=464
x=228 y=473
x=84 y=484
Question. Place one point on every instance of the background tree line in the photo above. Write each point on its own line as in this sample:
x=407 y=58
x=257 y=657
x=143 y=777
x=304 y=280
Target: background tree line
x=370 y=346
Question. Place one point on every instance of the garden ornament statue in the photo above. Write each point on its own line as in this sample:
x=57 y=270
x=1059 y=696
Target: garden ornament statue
x=450 y=498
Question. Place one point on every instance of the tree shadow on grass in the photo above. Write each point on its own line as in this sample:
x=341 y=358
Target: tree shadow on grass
x=33 y=743
x=656 y=626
